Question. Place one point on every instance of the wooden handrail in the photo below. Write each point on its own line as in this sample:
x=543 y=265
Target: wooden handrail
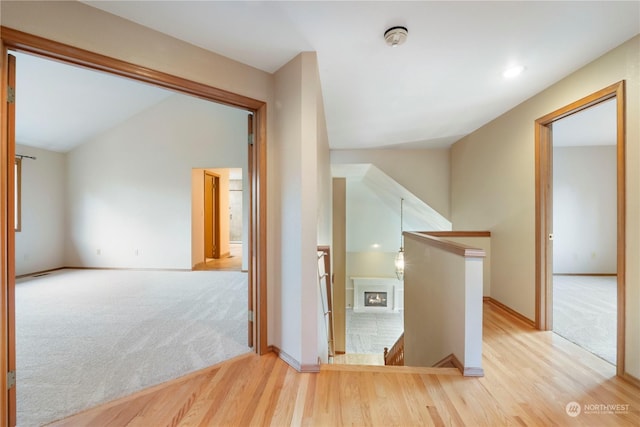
x=395 y=356
x=457 y=233
x=446 y=245
x=327 y=281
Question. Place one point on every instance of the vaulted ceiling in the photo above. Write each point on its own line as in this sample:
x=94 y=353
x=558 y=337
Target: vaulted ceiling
x=443 y=83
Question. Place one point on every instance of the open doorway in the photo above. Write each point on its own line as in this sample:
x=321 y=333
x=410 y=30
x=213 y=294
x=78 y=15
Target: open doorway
x=593 y=259
x=108 y=228
x=218 y=236
x=165 y=187
x=584 y=229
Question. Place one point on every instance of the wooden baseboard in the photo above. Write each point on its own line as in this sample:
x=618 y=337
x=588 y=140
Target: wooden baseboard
x=446 y=362
x=509 y=310
x=452 y=361
x=633 y=380
x=456 y=363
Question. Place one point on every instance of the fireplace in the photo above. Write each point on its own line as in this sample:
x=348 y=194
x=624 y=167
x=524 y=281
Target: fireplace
x=377 y=294
x=375 y=299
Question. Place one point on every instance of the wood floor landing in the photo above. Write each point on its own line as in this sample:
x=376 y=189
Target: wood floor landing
x=530 y=378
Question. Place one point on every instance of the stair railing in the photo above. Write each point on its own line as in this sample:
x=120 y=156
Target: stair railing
x=395 y=356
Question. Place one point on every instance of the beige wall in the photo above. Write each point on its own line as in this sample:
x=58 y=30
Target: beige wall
x=437 y=284
x=79 y=25
x=493 y=184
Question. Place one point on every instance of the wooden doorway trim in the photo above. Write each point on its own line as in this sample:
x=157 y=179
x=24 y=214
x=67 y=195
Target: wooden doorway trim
x=7 y=241
x=11 y=39
x=543 y=193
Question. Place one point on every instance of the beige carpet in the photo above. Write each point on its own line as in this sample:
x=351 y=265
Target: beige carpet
x=85 y=337
x=585 y=312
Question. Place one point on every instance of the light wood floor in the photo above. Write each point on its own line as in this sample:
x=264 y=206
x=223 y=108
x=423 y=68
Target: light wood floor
x=359 y=359
x=233 y=262
x=530 y=378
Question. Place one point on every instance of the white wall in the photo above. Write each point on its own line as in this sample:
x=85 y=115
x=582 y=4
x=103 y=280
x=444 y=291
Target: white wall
x=584 y=210
x=43 y=211
x=130 y=188
x=425 y=173
x=373 y=236
x=493 y=186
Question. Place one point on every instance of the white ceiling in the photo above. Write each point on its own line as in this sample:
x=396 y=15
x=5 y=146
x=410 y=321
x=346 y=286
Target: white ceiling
x=59 y=106
x=443 y=83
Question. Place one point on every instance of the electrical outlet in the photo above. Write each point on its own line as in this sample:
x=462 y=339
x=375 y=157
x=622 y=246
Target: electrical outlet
x=98 y=251
x=137 y=252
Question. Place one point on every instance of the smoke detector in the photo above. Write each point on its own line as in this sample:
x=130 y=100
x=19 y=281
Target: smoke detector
x=395 y=36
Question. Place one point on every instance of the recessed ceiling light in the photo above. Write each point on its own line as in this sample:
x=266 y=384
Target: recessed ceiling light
x=514 y=71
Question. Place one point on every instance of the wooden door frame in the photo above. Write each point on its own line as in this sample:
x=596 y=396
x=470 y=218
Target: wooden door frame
x=543 y=160
x=216 y=214
x=11 y=39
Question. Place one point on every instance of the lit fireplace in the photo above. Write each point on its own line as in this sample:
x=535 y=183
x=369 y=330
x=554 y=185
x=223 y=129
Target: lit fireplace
x=375 y=299
x=377 y=294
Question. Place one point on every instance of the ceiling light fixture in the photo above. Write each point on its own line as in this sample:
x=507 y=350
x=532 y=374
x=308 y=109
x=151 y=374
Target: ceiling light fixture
x=395 y=36
x=514 y=71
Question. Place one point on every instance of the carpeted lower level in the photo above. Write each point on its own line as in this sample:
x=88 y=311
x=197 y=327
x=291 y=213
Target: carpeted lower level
x=370 y=333
x=85 y=337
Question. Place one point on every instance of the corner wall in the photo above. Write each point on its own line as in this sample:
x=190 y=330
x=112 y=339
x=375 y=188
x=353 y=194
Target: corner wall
x=295 y=290
x=129 y=189
x=493 y=186
x=43 y=211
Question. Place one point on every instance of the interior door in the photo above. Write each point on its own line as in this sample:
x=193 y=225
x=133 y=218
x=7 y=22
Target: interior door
x=8 y=249
x=211 y=216
x=209 y=209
